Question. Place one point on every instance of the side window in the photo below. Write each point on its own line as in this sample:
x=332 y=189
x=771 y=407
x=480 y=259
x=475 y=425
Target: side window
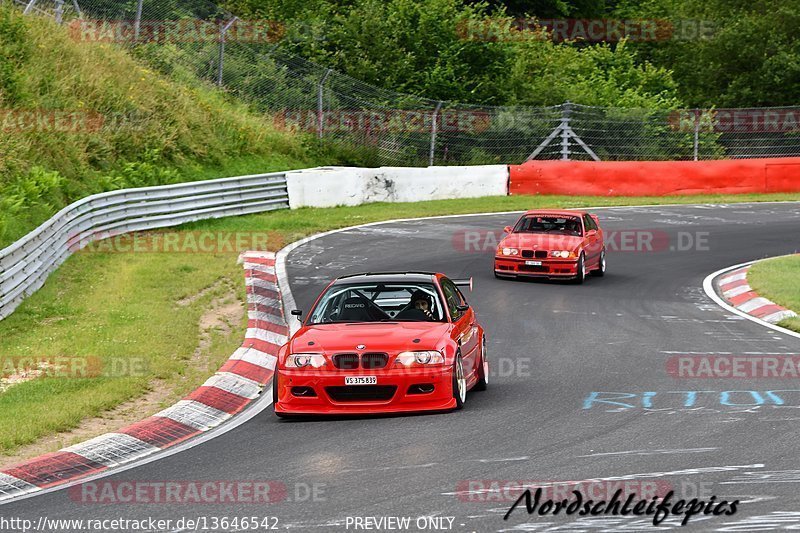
x=451 y=297
x=589 y=222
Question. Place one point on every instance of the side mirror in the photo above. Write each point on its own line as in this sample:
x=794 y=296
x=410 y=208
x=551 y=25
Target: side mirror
x=591 y=233
x=298 y=313
x=462 y=308
x=507 y=229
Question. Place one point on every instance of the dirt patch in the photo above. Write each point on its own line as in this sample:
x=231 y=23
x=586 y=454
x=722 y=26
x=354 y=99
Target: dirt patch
x=222 y=317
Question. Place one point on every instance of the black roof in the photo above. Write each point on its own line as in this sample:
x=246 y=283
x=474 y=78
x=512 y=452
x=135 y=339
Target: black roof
x=386 y=277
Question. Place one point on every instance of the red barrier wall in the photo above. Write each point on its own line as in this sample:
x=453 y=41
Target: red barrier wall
x=655 y=178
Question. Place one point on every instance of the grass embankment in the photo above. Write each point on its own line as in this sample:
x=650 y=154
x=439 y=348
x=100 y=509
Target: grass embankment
x=78 y=118
x=779 y=280
x=145 y=306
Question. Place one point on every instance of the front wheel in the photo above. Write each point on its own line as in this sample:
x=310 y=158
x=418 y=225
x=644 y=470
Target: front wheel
x=483 y=370
x=459 y=382
x=581 y=275
x=601 y=270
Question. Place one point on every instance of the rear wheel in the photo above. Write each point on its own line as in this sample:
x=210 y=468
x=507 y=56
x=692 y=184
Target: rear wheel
x=459 y=382
x=483 y=370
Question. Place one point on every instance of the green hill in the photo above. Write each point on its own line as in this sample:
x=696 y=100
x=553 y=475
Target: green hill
x=79 y=118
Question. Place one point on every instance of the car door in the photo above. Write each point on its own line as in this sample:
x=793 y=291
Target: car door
x=592 y=241
x=466 y=330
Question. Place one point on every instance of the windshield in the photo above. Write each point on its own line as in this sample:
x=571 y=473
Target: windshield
x=378 y=302
x=561 y=225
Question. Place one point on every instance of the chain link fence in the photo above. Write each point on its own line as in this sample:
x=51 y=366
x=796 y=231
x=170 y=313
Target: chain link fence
x=197 y=40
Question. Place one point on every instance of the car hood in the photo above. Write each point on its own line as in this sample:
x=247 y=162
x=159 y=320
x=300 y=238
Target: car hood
x=380 y=337
x=541 y=241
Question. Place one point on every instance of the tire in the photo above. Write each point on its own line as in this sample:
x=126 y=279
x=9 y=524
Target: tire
x=581 y=270
x=459 y=383
x=601 y=270
x=483 y=370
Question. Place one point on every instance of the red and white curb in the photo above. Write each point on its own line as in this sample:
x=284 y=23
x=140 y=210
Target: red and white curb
x=737 y=293
x=235 y=386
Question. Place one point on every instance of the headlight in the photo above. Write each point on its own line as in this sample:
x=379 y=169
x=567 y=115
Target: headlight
x=423 y=358
x=561 y=253
x=302 y=360
x=510 y=251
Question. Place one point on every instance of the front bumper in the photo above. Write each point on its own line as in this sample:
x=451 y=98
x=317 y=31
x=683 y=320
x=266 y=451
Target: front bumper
x=397 y=390
x=549 y=268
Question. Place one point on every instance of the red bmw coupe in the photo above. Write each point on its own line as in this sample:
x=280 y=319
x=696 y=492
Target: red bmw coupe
x=383 y=343
x=552 y=244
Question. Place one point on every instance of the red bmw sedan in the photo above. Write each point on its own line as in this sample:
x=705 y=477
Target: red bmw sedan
x=383 y=343
x=552 y=244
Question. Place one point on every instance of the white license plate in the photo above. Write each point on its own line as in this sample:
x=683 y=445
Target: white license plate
x=360 y=380
x=533 y=263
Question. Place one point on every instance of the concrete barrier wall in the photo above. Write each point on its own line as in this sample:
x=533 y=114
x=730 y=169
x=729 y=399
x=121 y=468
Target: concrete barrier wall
x=656 y=178
x=332 y=186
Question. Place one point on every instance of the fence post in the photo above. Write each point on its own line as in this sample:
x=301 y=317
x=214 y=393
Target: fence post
x=433 y=133
x=59 y=11
x=565 y=129
x=137 y=24
x=696 y=136
x=320 y=110
x=223 y=28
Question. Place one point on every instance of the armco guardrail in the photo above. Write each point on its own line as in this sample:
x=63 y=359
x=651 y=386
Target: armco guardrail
x=26 y=264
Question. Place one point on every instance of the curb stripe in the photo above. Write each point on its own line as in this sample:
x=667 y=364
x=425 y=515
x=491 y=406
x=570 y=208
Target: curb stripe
x=234 y=384
x=12 y=486
x=267 y=318
x=255 y=323
x=54 y=468
x=112 y=449
x=256 y=267
x=741 y=289
x=774 y=318
x=753 y=303
x=262 y=346
x=740 y=275
x=219 y=399
x=255 y=357
x=194 y=414
x=261 y=283
x=161 y=432
x=248 y=370
x=266 y=336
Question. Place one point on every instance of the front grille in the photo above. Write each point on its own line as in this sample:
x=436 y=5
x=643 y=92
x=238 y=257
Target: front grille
x=345 y=361
x=538 y=254
x=361 y=393
x=374 y=360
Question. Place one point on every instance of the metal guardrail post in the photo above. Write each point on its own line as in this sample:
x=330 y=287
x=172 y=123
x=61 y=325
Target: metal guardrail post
x=137 y=23
x=433 y=133
x=59 y=14
x=565 y=129
x=223 y=29
x=320 y=110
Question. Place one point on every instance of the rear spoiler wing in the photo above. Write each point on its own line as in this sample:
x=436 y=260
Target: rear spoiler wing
x=464 y=282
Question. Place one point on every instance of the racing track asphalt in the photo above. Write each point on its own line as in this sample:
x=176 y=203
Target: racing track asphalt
x=552 y=345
